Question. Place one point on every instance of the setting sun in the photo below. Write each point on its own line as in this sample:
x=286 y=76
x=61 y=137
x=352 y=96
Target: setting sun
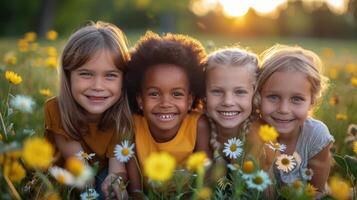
x=235 y=8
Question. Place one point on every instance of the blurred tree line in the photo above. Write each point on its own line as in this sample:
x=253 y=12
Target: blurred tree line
x=19 y=16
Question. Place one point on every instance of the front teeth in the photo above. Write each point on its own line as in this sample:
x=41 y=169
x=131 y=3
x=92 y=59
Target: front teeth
x=229 y=113
x=166 y=117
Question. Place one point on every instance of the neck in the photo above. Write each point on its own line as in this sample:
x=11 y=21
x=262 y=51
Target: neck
x=223 y=134
x=290 y=140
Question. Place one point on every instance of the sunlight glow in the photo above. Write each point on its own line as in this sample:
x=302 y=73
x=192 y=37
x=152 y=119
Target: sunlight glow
x=238 y=8
x=235 y=8
x=337 y=6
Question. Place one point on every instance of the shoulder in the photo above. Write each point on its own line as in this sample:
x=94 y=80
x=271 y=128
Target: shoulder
x=314 y=129
x=315 y=136
x=52 y=109
x=51 y=102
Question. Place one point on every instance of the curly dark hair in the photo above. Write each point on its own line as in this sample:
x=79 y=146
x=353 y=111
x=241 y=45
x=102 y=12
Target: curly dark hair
x=153 y=49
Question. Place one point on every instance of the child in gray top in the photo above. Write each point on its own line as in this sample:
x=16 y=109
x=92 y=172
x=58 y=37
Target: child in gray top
x=289 y=85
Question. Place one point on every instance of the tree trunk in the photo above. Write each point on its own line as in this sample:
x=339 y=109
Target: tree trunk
x=46 y=17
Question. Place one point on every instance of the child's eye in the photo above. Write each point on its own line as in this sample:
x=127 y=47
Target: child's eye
x=85 y=74
x=111 y=76
x=216 y=92
x=240 y=92
x=154 y=94
x=177 y=94
x=272 y=98
x=297 y=99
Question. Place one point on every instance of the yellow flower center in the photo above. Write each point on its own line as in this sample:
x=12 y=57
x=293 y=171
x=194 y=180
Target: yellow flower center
x=276 y=145
x=125 y=152
x=285 y=161
x=248 y=167
x=61 y=179
x=297 y=184
x=233 y=147
x=258 y=180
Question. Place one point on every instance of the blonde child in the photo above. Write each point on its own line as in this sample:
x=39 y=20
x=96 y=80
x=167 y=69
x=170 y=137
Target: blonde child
x=92 y=111
x=230 y=84
x=290 y=84
x=164 y=82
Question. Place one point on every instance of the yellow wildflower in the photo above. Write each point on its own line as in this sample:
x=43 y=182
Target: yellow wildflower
x=51 y=62
x=268 y=133
x=297 y=184
x=197 y=161
x=328 y=53
x=51 y=35
x=10 y=58
x=333 y=100
x=23 y=45
x=340 y=116
x=34 y=46
x=51 y=51
x=333 y=73
x=340 y=189
x=13 y=78
x=355 y=147
x=45 y=92
x=159 y=166
x=37 y=152
x=248 y=167
x=310 y=190
x=354 y=81
x=75 y=166
x=204 y=193
x=351 y=68
x=14 y=171
x=30 y=36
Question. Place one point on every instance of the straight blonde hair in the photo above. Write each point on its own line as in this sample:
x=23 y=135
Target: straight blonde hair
x=80 y=48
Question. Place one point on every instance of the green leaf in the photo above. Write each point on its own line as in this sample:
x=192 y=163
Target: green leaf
x=341 y=162
x=352 y=165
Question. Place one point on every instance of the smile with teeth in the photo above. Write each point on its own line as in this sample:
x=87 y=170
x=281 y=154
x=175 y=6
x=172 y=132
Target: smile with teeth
x=282 y=120
x=165 y=117
x=229 y=113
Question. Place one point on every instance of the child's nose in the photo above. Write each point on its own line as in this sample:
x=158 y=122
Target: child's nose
x=165 y=101
x=97 y=83
x=284 y=107
x=228 y=99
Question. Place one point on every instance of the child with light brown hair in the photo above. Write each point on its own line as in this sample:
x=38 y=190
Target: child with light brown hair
x=91 y=113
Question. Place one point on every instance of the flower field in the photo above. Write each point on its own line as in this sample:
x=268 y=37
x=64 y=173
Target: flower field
x=28 y=76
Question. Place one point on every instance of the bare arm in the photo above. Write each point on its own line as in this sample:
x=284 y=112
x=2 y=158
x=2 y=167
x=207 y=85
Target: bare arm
x=67 y=148
x=116 y=178
x=320 y=164
x=203 y=136
x=135 y=181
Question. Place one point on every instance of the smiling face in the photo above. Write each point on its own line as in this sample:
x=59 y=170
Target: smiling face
x=165 y=100
x=96 y=85
x=229 y=93
x=286 y=101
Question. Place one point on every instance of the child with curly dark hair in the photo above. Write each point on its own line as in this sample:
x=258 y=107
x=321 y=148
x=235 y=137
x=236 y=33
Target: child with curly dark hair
x=165 y=83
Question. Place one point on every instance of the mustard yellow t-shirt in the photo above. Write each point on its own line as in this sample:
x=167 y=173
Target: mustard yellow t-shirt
x=101 y=143
x=181 y=146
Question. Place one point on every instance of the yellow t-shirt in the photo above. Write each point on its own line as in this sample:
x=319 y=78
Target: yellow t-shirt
x=181 y=146
x=101 y=143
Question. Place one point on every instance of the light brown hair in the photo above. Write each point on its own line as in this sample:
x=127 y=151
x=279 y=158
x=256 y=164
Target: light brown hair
x=293 y=58
x=79 y=49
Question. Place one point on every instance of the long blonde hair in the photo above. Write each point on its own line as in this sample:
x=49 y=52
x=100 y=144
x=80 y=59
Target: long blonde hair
x=232 y=57
x=79 y=49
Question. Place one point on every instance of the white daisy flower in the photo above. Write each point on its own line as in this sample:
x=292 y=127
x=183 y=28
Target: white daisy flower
x=232 y=148
x=275 y=146
x=124 y=152
x=306 y=174
x=22 y=103
x=84 y=178
x=84 y=156
x=62 y=175
x=285 y=163
x=259 y=181
x=89 y=194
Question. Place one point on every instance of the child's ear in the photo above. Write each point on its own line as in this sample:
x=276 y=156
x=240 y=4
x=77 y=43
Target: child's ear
x=139 y=101
x=190 y=100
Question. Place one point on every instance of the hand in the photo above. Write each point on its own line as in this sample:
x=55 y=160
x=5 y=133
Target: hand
x=113 y=187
